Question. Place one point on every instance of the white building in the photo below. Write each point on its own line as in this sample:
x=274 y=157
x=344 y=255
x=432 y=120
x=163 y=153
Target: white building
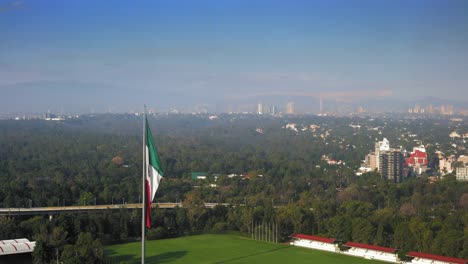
x=383 y=145
x=380 y=146
x=445 y=164
x=423 y=258
x=314 y=242
x=371 y=252
x=462 y=174
x=454 y=134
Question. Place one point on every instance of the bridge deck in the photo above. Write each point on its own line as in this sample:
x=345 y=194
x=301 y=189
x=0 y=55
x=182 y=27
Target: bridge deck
x=58 y=209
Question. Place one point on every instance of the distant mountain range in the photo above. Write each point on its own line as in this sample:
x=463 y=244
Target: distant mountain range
x=94 y=97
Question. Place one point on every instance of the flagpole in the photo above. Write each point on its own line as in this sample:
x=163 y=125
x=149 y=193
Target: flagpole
x=143 y=209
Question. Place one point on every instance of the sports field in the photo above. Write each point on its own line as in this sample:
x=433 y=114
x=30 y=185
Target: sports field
x=222 y=249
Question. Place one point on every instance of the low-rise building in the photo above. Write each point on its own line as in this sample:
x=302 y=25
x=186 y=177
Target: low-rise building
x=462 y=174
x=463 y=158
x=199 y=175
x=445 y=164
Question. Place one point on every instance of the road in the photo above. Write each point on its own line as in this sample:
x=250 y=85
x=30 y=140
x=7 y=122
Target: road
x=58 y=209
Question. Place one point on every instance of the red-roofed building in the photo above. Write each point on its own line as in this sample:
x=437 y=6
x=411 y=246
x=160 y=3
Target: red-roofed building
x=371 y=252
x=417 y=157
x=314 y=242
x=424 y=258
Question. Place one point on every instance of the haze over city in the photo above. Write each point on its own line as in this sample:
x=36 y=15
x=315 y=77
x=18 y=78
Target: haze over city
x=87 y=56
x=211 y=131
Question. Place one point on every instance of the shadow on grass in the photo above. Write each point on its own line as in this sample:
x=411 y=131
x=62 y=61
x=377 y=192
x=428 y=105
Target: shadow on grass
x=254 y=254
x=166 y=257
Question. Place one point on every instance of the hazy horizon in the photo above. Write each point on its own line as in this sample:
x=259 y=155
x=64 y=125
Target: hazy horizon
x=84 y=55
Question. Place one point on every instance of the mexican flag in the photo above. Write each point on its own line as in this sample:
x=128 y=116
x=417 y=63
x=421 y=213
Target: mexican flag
x=153 y=172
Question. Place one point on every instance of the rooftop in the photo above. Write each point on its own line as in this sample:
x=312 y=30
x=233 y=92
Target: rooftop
x=314 y=238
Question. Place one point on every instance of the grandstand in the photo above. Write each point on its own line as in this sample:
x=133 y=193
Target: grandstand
x=371 y=252
x=16 y=246
x=424 y=258
x=314 y=242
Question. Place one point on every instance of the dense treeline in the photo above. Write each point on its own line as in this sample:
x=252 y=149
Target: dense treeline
x=72 y=162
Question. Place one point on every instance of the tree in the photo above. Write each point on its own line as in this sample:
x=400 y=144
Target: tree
x=86 y=250
x=363 y=230
x=195 y=208
x=407 y=209
x=464 y=201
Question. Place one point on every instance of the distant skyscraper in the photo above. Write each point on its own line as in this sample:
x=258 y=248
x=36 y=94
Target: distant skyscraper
x=321 y=105
x=273 y=110
x=266 y=109
x=260 y=108
x=449 y=109
x=446 y=110
x=290 y=108
x=391 y=165
x=430 y=109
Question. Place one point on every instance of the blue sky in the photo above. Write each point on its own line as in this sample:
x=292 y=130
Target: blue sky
x=218 y=52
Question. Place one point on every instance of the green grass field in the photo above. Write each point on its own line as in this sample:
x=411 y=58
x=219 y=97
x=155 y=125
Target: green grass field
x=222 y=249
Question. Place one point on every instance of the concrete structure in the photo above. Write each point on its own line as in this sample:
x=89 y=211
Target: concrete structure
x=423 y=258
x=391 y=165
x=462 y=174
x=75 y=209
x=315 y=242
x=371 y=252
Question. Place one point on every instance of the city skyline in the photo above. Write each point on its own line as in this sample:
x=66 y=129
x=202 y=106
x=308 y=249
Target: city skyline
x=95 y=55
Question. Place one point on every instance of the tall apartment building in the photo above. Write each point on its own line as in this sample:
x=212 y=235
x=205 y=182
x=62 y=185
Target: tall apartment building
x=380 y=146
x=391 y=165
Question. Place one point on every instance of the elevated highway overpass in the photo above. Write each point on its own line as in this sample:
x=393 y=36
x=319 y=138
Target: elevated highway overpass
x=58 y=209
